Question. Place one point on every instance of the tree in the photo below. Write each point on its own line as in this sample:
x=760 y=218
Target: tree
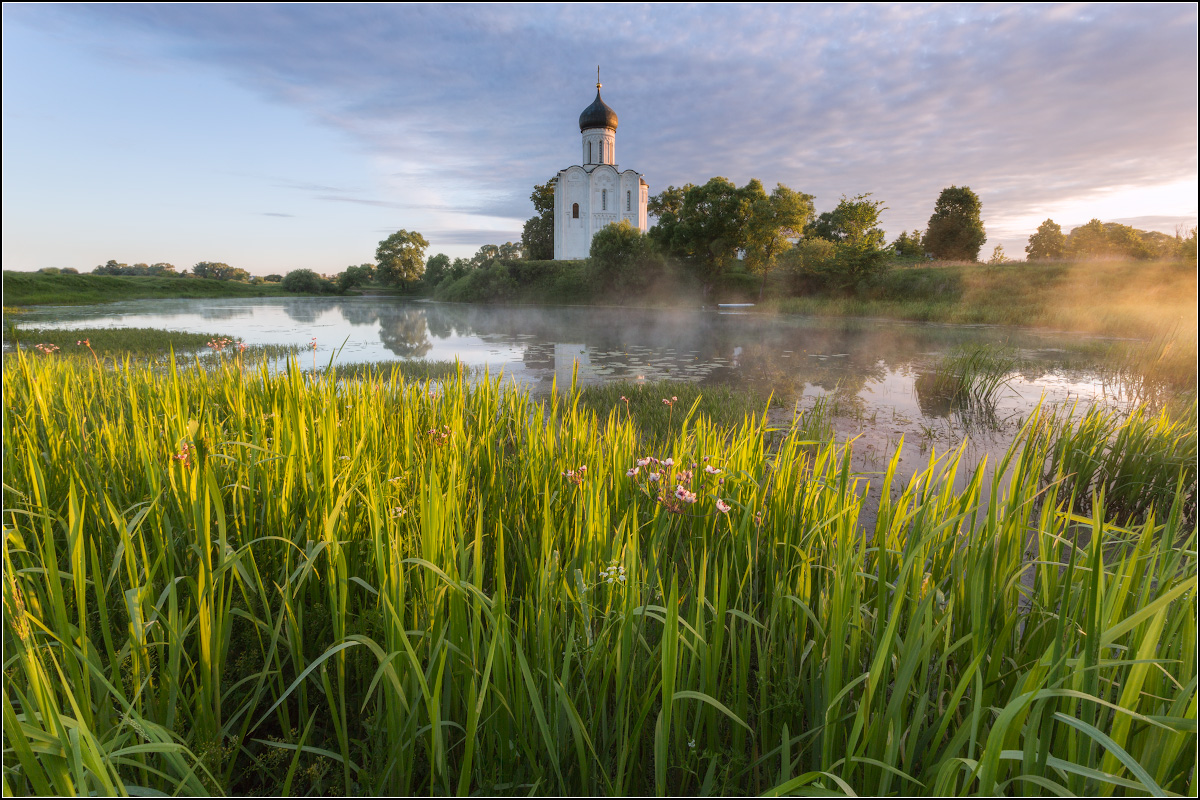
x=305 y=280
x=621 y=256
x=509 y=251
x=855 y=220
x=401 y=258
x=668 y=201
x=1048 y=242
x=436 y=268
x=355 y=276
x=955 y=230
x=709 y=229
x=775 y=220
x=909 y=245
x=219 y=270
x=484 y=256
x=537 y=238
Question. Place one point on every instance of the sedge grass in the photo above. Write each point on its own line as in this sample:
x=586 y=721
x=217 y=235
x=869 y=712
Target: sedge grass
x=247 y=582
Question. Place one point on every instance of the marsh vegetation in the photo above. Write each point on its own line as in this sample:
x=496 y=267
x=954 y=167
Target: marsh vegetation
x=239 y=580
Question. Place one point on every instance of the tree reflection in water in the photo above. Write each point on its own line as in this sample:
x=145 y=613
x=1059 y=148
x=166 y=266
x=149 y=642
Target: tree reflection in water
x=404 y=331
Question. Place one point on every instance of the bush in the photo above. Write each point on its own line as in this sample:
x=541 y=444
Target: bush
x=623 y=257
x=308 y=282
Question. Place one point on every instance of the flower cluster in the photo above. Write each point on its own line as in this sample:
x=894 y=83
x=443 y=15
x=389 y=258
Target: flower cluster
x=46 y=349
x=576 y=476
x=665 y=472
x=440 y=437
x=613 y=573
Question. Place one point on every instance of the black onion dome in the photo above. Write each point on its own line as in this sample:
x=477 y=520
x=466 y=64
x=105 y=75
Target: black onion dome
x=598 y=115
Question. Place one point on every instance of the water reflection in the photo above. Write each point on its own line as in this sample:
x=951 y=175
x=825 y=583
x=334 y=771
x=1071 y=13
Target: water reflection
x=852 y=361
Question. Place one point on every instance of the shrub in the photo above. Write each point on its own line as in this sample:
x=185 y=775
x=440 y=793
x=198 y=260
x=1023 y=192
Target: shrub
x=307 y=281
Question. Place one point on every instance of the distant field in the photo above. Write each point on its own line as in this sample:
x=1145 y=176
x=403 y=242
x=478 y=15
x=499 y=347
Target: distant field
x=31 y=288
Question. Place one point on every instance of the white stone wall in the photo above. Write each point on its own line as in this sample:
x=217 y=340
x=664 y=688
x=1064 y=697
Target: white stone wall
x=604 y=195
x=593 y=138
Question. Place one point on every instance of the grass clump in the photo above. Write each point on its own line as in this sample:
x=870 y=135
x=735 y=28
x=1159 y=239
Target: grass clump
x=1128 y=464
x=219 y=580
x=398 y=370
x=968 y=379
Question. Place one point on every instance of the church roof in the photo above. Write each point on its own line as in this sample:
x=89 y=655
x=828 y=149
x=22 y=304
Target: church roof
x=598 y=115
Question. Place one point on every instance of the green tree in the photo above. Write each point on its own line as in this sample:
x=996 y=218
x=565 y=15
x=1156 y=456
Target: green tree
x=436 y=269
x=955 y=230
x=709 y=228
x=1047 y=243
x=622 y=257
x=510 y=251
x=484 y=256
x=355 y=276
x=909 y=245
x=668 y=201
x=537 y=238
x=855 y=220
x=775 y=220
x=219 y=270
x=307 y=281
x=401 y=258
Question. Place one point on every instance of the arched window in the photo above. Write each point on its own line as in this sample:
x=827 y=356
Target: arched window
x=589 y=152
x=604 y=199
x=575 y=211
x=629 y=201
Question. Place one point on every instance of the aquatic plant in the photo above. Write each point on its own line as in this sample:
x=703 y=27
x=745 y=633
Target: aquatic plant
x=219 y=580
x=968 y=379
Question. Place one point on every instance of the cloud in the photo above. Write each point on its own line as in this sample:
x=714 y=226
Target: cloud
x=1031 y=106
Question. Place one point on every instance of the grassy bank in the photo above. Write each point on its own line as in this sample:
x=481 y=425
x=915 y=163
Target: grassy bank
x=1116 y=298
x=32 y=288
x=237 y=582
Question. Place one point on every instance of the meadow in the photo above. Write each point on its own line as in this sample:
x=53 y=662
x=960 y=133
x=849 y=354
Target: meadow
x=32 y=288
x=227 y=580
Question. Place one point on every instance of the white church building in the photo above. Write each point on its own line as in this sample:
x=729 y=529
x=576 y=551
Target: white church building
x=588 y=197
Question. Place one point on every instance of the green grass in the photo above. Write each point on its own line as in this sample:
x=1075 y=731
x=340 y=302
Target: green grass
x=32 y=288
x=388 y=371
x=1131 y=464
x=234 y=581
x=114 y=344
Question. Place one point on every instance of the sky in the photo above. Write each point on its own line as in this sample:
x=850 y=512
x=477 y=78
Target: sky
x=279 y=137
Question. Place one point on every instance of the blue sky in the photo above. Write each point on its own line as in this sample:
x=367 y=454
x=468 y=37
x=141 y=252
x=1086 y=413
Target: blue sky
x=276 y=137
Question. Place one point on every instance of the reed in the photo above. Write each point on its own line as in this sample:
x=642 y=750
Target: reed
x=224 y=580
x=968 y=379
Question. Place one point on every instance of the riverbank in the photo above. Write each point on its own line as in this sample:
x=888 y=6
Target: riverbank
x=33 y=288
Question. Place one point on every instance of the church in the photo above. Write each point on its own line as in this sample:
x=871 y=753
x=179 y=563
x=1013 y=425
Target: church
x=588 y=197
